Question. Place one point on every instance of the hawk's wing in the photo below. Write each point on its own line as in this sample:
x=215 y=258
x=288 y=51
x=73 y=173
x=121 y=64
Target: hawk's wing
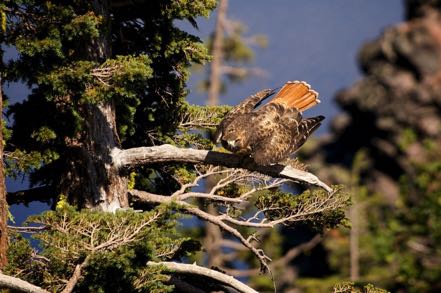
x=303 y=131
x=284 y=140
x=246 y=106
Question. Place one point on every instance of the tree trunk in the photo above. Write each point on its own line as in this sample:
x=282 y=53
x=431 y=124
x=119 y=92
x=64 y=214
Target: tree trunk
x=212 y=243
x=213 y=234
x=107 y=183
x=3 y=203
x=95 y=181
x=354 y=240
x=217 y=52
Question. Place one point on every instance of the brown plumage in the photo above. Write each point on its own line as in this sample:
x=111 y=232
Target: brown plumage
x=270 y=133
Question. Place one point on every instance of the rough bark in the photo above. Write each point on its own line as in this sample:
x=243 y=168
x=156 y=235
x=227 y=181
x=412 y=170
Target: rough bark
x=94 y=182
x=3 y=203
x=217 y=53
x=107 y=185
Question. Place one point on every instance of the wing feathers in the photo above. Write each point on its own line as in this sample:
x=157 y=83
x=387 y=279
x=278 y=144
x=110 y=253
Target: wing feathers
x=305 y=129
x=283 y=141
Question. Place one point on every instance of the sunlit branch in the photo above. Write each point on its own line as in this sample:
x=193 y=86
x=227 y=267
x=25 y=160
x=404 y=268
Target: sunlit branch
x=202 y=271
x=30 y=230
x=168 y=153
x=19 y=285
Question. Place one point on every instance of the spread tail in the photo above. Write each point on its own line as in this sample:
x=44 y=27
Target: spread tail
x=297 y=94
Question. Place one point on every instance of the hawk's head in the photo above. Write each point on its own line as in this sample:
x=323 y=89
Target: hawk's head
x=236 y=135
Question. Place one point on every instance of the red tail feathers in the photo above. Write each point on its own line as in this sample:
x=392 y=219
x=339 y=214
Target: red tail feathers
x=297 y=94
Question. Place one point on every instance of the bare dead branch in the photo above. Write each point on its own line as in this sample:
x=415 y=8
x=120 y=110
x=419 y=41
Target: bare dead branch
x=27 y=229
x=201 y=119
x=218 y=221
x=197 y=124
x=210 y=197
x=267 y=215
x=19 y=285
x=230 y=176
x=230 y=215
x=202 y=271
x=168 y=153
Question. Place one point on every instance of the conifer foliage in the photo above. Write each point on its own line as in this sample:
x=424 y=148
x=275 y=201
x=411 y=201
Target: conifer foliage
x=107 y=135
x=92 y=63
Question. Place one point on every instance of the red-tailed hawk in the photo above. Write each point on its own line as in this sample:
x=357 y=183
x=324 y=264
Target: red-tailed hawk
x=270 y=133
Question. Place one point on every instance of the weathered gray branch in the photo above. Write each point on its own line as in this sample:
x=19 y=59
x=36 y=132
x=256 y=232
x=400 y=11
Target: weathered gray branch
x=168 y=153
x=19 y=285
x=27 y=229
x=202 y=271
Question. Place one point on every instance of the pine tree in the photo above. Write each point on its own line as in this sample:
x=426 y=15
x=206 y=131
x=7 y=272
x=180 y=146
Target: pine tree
x=107 y=75
x=107 y=129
